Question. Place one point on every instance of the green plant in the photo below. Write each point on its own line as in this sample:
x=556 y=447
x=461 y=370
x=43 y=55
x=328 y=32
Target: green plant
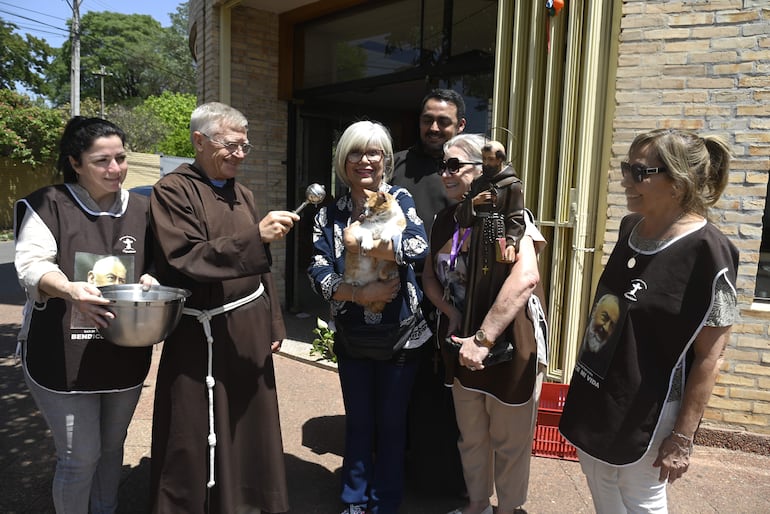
x=323 y=344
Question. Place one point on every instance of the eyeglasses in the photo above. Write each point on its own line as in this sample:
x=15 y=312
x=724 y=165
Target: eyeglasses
x=638 y=172
x=453 y=165
x=231 y=147
x=371 y=155
x=442 y=121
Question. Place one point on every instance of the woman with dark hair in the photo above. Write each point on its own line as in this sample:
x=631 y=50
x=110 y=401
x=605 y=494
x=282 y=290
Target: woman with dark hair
x=86 y=388
x=666 y=303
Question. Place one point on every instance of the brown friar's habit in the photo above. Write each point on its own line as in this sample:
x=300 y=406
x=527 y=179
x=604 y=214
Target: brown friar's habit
x=208 y=241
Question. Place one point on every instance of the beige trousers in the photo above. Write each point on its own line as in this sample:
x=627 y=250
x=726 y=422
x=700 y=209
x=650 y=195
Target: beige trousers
x=495 y=444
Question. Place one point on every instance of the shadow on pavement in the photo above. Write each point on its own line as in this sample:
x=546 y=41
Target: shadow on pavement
x=316 y=492
x=26 y=449
x=134 y=492
x=325 y=435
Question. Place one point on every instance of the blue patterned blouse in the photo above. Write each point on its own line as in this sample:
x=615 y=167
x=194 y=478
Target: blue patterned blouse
x=328 y=265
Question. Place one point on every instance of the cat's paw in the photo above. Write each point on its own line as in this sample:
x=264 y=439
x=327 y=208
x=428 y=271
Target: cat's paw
x=366 y=243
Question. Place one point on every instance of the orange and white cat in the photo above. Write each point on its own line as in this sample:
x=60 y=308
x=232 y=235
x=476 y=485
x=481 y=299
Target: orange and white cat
x=382 y=219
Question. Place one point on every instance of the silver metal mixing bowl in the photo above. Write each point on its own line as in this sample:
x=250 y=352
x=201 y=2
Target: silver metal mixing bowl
x=142 y=318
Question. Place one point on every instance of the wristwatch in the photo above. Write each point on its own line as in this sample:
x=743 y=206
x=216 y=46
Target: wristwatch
x=481 y=338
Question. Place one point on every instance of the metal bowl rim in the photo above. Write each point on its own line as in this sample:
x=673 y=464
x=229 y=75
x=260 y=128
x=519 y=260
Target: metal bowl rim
x=183 y=293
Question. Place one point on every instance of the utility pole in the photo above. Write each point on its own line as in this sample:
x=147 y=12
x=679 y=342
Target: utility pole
x=75 y=65
x=101 y=74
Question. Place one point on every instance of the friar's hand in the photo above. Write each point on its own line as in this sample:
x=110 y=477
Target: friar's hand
x=276 y=224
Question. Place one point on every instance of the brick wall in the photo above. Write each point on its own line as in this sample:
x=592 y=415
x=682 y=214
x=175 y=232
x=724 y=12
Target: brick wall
x=705 y=66
x=253 y=91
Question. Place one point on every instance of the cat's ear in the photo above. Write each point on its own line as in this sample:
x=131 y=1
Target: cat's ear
x=369 y=193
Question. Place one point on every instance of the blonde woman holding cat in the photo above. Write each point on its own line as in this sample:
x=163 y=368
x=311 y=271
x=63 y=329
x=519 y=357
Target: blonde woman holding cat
x=374 y=345
x=495 y=404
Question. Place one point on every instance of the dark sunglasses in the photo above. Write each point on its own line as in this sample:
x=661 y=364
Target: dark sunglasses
x=638 y=172
x=453 y=165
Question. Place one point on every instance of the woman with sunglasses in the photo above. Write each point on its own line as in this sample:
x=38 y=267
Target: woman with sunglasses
x=376 y=378
x=639 y=389
x=495 y=405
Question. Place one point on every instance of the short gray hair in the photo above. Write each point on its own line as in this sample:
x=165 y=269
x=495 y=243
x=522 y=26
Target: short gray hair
x=212 y=117
x=471 y=144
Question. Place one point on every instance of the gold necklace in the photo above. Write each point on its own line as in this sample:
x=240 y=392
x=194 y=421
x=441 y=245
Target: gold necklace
x=632 y=261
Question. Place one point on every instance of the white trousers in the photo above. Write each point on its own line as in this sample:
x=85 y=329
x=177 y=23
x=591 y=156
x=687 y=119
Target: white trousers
x=633 y=488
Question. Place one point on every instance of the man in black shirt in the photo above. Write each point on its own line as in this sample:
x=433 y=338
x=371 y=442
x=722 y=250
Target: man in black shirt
x=433 y=460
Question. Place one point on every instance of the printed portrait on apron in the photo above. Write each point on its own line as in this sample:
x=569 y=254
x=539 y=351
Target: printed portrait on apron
x=601 y=337
x=99 y=270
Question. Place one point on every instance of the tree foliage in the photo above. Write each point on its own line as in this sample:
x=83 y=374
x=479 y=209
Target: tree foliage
x=177 y=58
x=143 y=129
x=174 y=109
x=22 y=61
x=149 y=91
x=161 y=124
x=29 y=133
x=140 y=57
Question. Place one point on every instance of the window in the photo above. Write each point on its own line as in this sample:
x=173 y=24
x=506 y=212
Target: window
x=386 y=39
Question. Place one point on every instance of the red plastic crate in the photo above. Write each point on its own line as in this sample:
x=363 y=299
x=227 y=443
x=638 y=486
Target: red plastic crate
x=553 y=396
x=548 y=442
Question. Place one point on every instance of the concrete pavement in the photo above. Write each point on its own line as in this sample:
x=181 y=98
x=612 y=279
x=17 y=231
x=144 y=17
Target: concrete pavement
x=312 y=418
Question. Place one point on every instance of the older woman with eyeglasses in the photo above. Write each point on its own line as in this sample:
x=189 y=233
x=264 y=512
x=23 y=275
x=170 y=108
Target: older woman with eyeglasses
x=376 y=377
x=496 y=405
x=642 y=380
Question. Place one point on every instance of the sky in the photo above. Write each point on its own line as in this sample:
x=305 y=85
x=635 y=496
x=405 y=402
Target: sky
x=47 y=19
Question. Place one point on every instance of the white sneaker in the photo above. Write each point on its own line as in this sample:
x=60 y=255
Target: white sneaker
x=360 y=508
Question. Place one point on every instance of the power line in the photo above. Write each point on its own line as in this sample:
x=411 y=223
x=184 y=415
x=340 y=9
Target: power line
x=36 y=30
x=30 y=19
x=119 y=51
x=32 y=11
x=65 y=32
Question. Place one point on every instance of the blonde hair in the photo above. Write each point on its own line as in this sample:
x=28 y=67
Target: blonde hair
x=698 y=166
x=358 y=137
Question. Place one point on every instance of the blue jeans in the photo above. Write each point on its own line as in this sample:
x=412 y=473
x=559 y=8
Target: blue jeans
x=89 y=430
x=376 y=396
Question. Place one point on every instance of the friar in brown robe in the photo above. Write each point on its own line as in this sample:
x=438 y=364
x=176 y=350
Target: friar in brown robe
x=210 y=239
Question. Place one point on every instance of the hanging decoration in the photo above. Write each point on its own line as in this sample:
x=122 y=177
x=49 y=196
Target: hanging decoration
x=553 y=7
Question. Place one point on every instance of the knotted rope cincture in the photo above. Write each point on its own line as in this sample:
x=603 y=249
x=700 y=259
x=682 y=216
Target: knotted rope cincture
x=204 y=318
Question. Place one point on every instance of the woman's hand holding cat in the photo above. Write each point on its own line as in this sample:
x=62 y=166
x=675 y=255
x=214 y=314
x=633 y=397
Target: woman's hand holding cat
x=353 y=245
x=349 y=238
x=378 y=291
